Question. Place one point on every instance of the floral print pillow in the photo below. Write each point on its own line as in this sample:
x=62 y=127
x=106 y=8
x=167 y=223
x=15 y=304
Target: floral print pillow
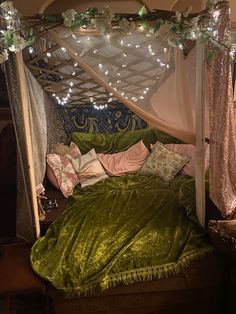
x=64 y=172
x=163 y=162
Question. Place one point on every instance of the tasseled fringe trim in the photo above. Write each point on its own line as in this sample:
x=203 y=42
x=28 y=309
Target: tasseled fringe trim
x=136 y=275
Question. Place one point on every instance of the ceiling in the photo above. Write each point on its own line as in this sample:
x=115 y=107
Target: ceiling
x=53 y=6
x=40 y=6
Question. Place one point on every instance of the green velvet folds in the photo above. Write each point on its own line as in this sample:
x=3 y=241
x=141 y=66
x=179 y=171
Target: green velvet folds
x=120 y=141
x=121 y=230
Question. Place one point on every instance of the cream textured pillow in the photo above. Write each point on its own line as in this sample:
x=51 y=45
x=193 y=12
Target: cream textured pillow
x=163 y=162
x=90 y=170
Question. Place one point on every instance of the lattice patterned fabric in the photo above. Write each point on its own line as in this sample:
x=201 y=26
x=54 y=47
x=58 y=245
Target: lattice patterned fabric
x=133 y=64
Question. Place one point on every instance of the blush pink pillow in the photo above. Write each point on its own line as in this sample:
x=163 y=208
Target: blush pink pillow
x=129 y=161
x=189 y=150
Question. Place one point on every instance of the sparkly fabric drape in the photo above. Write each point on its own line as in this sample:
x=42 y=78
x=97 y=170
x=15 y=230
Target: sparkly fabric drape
x=222 y=123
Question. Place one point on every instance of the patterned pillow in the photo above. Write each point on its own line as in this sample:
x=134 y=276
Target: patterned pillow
x=164 y=162
x=64 y=172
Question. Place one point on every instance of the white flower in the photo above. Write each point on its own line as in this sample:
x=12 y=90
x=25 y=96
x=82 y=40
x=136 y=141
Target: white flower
x=194 y=34
x=8 y=7
x=108 y=13
x=178 y=16
x=172 y=40
x=4 y=56
x=124 y=24
x=186 y=13
x=104 y=25
x=67 y=23
x=69 y=17
x=127 y=26
x=195 y=21
x=69 y=14
x=19 y=43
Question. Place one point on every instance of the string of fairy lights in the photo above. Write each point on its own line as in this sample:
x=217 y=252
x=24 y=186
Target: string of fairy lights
x=14 y=41
x=101 y=67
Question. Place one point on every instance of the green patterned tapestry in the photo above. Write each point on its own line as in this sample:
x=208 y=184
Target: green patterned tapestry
x=122 y=230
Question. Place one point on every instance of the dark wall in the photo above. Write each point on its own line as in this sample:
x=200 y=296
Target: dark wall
x=8 y=181
x=112 y=119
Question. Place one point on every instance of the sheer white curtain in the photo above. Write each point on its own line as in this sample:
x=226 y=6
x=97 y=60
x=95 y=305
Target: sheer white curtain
x=155 y=81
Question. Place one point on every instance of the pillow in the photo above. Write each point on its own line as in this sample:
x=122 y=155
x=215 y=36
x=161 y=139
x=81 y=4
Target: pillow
x=51 y=177
x=190 y=151
x=64 y=173
x=73 y=154
x=90 y=170
x=164 y=162
x=125 y=162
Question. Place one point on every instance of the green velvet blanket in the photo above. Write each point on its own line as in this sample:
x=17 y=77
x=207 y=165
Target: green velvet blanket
x=122 y=230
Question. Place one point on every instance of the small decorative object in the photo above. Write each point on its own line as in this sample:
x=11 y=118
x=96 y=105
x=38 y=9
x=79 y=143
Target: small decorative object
x=40 y=192
x=49 y=204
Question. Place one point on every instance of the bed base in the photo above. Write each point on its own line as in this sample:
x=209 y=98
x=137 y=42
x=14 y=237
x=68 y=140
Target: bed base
x=195 y=290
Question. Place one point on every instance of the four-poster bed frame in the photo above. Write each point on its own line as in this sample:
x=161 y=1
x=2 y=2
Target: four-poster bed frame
x=200 y=118
x=188 y=281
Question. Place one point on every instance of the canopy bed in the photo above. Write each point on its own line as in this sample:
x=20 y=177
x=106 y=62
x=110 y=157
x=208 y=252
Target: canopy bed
x=136 y=209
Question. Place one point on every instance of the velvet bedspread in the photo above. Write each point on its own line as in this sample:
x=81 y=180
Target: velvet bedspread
x=121 y=230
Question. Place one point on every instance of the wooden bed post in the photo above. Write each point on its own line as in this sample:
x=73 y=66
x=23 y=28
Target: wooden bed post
x=27 y=134
x=200 y=132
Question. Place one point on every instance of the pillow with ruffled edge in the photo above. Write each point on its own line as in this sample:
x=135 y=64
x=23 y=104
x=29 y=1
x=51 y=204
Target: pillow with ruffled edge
x=56 y=168
x=64 y=172
x=128 y=161
x=163 y=162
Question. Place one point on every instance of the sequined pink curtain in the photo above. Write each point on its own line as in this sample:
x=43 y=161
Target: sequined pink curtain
x=222 y=123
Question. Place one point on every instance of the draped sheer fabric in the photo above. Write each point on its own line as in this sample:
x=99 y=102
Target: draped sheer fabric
x=44 y=117
x=142 y=72
x=154 y=80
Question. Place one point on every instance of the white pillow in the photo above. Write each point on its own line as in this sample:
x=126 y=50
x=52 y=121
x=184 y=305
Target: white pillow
x=89 y=169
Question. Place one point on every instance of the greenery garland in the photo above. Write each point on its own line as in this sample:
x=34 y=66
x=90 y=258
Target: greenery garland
x=181 y=26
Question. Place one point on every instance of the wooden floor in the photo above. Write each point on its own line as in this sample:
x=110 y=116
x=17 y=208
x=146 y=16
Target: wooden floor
x=16 y=276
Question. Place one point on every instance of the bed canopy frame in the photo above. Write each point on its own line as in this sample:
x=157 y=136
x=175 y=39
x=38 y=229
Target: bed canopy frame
x=85 y=66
